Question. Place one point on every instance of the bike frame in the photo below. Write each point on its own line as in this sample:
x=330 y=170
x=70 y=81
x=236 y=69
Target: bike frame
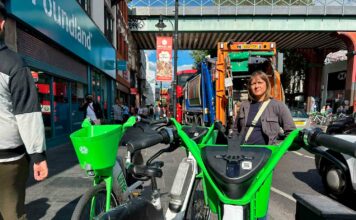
x=257 y=196
x=113 y=177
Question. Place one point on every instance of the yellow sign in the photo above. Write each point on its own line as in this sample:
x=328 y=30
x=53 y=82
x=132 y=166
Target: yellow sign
x=299 y=122
x=249 y=46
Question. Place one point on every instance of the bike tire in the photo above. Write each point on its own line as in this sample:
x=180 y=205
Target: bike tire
x=197 y=210
x=82 y=209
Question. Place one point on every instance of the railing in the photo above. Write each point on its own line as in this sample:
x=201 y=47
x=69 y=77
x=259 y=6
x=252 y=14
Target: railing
x=218 y=7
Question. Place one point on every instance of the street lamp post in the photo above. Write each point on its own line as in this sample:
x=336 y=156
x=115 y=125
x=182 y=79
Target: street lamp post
x=160 y=94
x=175 y=45
x=160 y=25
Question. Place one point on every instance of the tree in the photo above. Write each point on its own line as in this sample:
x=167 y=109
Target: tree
x=199 y=55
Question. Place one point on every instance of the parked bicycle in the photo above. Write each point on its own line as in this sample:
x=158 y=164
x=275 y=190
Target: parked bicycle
x=320 y=118
x=96 y=148
x=221 y=181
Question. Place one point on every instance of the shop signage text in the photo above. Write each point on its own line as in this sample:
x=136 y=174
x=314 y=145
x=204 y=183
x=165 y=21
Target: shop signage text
x=66 y=23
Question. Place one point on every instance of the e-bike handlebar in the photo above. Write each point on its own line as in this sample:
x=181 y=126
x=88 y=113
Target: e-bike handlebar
x=145 y=140
x=316 y=137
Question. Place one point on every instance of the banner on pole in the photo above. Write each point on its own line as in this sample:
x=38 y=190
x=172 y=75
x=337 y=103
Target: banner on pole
x=164 y=59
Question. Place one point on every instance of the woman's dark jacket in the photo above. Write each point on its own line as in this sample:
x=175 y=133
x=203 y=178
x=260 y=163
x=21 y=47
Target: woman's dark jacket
x=274 y=117
x=96 y=107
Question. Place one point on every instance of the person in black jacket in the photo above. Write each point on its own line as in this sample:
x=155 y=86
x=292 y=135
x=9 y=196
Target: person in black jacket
x=22 y=134
x=92 y=109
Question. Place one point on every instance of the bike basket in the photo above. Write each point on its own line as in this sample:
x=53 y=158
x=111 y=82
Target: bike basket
x=96 y=146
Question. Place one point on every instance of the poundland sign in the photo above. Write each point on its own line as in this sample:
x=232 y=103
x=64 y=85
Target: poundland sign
x=65 y=22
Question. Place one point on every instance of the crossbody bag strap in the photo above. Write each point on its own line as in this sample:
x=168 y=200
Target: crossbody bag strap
x=257 y=117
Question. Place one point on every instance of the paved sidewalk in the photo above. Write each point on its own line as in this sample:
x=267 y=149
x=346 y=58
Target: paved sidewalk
x=56 y=197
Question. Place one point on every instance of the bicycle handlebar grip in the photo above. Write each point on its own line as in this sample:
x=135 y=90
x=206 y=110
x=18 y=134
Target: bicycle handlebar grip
x=336 y=144
x=144 y=141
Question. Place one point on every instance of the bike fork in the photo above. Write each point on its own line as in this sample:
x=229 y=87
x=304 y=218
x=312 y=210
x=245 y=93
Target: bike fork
x=108 y=184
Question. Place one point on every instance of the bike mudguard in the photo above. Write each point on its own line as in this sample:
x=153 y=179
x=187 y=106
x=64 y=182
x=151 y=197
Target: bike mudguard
x=137 y=209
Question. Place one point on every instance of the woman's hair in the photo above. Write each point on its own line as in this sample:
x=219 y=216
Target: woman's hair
x=89 y=98
x=264 y=77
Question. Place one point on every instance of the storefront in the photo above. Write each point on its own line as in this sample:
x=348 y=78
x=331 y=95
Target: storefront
x=334 y=87
x=69 y=57
x=123 y=85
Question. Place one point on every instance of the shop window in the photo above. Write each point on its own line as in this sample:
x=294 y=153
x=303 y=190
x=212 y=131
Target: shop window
x=43 y=82
x=100 y=90
x=108 y=24
x=77 y=96
x=61 y=107
x=85 y=4
x=104 y=93
x=96 y=82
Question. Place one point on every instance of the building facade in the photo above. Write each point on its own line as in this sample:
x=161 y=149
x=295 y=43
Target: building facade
x=70 y=47
x=122 y=55
x=334 y=86
x=149 y=89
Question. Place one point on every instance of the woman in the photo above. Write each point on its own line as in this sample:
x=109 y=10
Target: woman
x=117 y=112
x=274 y=117
x=92 y=109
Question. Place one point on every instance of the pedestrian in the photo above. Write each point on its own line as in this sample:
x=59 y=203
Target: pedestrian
x=133 y=110
x=117 y=112
x=145 y=111
x=22 y=135
x=164 y=111
x=329 y=110
x=151 y=111
x=274 y=114
x=92 y=109
x=157 y=111
x=140 y=111
x=125 y=112
x=323 y=110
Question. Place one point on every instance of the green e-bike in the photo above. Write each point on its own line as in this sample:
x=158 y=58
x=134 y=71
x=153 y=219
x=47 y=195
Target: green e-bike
x=216 y=180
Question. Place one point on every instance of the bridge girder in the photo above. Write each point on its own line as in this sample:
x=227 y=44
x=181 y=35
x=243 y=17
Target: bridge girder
x=288 y=32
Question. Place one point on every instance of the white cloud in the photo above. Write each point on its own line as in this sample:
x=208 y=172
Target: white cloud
x=152 y=66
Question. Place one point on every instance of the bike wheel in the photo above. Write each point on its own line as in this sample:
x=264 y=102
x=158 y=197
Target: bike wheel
x=96 y=195
x=196 y=207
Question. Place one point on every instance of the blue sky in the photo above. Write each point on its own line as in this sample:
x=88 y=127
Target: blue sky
x=184 y=57
x=185 y=61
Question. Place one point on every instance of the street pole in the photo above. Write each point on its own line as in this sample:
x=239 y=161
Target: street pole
x=175 y=45
x=160 y=95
